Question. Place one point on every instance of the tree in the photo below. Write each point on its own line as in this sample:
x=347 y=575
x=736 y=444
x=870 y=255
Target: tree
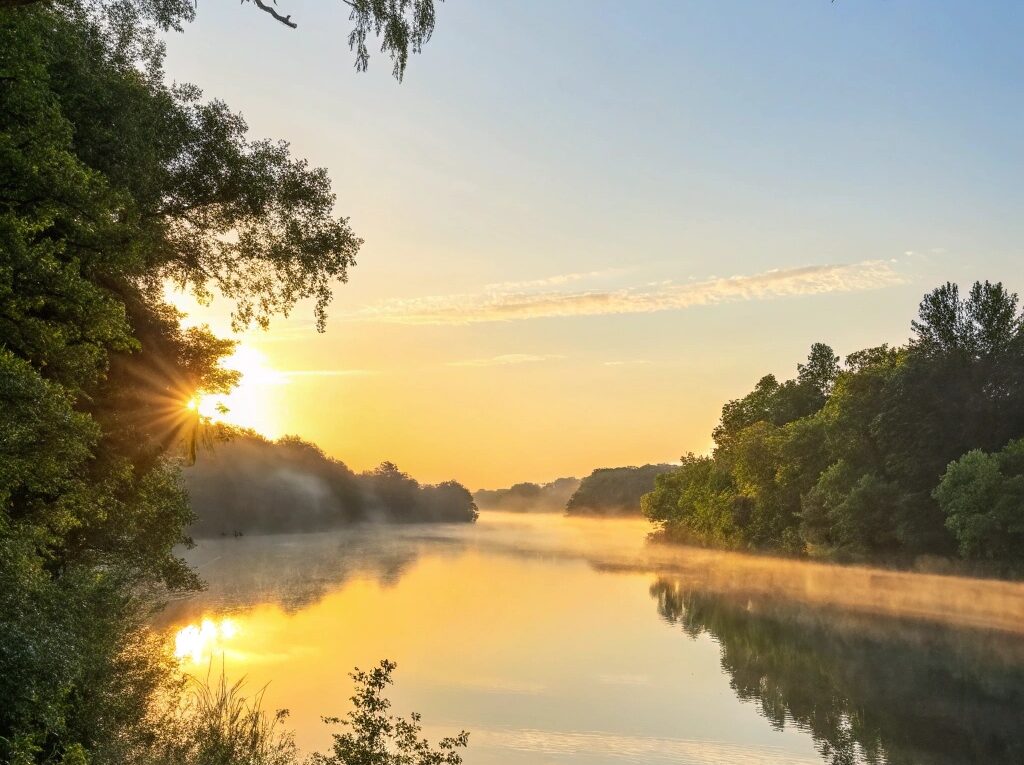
x=821 y=369
x=845 y=461
x=613 y=491
x=982 y=496
x=984 y=324
x=403 y=26
x=696 y=503
x=374 y=736
x=112 y=182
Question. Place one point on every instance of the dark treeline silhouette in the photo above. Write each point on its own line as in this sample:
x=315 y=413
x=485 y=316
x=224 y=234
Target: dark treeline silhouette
x=614 y=491
x=252 y=485
x=899 y=452
x=529 y=497
x=889 y=693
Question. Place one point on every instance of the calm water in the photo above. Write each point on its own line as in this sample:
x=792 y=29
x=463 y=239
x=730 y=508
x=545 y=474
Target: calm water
x=556 y=640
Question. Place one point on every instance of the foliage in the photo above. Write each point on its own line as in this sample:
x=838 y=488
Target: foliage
x=982 y=496
x=113 y=182
x=529 y=497
x=402 y=26
x=613 y=491
x=846 y=460
x=374 y=736
x=214 y=723
x=252 y=485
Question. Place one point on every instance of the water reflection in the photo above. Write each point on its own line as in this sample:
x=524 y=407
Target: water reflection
x=537 y=634
x=198 y=643
x=294 y=571
x=867 y=690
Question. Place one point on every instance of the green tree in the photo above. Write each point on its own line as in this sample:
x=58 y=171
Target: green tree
x=845 y=460
x=374 y=736
x=613 y=491
x=111 y=184
x=696 y=503
x=821 y=369
x=982 y=496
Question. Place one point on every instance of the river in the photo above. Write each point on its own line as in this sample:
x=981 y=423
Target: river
x=557 y=640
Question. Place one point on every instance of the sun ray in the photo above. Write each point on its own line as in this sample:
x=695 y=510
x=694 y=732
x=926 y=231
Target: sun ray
x=250 y=404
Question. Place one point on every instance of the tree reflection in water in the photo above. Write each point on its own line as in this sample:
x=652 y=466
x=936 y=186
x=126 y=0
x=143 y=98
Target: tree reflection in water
x=868 y=689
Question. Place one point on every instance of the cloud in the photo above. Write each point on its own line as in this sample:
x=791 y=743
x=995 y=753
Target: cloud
x=506 y=359
x=650 y=298
x=625 y=362
x=553 y=281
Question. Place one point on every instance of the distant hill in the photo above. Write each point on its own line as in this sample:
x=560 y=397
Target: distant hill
x=252 y=485
x=529 y=497
x=614 y=491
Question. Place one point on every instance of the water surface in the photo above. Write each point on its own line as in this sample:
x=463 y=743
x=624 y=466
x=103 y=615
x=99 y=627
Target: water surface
x=556 y=640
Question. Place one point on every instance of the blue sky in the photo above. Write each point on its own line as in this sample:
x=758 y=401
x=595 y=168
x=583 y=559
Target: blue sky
x=657 y=158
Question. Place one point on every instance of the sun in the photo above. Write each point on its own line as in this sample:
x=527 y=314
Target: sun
x=253 y=403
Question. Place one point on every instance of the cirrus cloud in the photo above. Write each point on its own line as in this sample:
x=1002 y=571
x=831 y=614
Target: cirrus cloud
x=515 y=305
x=504 y=360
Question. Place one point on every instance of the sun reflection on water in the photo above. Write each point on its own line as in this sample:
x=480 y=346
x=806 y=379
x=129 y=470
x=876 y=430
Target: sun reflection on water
x=198 y=642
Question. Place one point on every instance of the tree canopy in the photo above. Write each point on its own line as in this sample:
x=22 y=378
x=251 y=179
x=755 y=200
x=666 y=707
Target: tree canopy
x=854 y=460
x=613 y=491
x=402 y=26
x=252 y=485
x=114 y=184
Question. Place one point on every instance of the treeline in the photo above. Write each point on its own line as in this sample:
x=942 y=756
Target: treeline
x=529 y=497
x=614 y=491
x=890 y=692
x=898 y=452
x=252 y=485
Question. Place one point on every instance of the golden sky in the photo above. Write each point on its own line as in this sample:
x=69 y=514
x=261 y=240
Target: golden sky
x=586 y=228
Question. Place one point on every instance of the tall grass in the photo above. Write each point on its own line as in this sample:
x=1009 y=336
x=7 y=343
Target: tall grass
x=218 y=723
x=209 y=721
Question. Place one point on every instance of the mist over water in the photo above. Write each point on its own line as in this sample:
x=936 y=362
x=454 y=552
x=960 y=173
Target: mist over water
x=556 y=639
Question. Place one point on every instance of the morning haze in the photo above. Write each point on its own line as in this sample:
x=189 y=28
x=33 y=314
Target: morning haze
x=611 y=383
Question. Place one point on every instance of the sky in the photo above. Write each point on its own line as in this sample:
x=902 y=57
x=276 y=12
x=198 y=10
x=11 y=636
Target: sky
x=588 y=224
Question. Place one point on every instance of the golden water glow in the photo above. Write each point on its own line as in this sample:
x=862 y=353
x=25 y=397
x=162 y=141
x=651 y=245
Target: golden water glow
x=197 y=643
x=529 y=629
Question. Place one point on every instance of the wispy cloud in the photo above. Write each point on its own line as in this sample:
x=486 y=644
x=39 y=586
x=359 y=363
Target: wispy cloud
x=662 y=296
x=554 y=281
x=625 y=362
x=508 y=358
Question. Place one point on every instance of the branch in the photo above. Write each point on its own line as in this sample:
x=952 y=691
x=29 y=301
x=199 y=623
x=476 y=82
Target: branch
x=286 y=20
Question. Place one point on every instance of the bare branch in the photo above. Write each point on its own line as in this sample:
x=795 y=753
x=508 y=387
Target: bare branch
x=286 y=20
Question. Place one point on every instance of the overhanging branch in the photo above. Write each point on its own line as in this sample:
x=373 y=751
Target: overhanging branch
x=286 y=20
